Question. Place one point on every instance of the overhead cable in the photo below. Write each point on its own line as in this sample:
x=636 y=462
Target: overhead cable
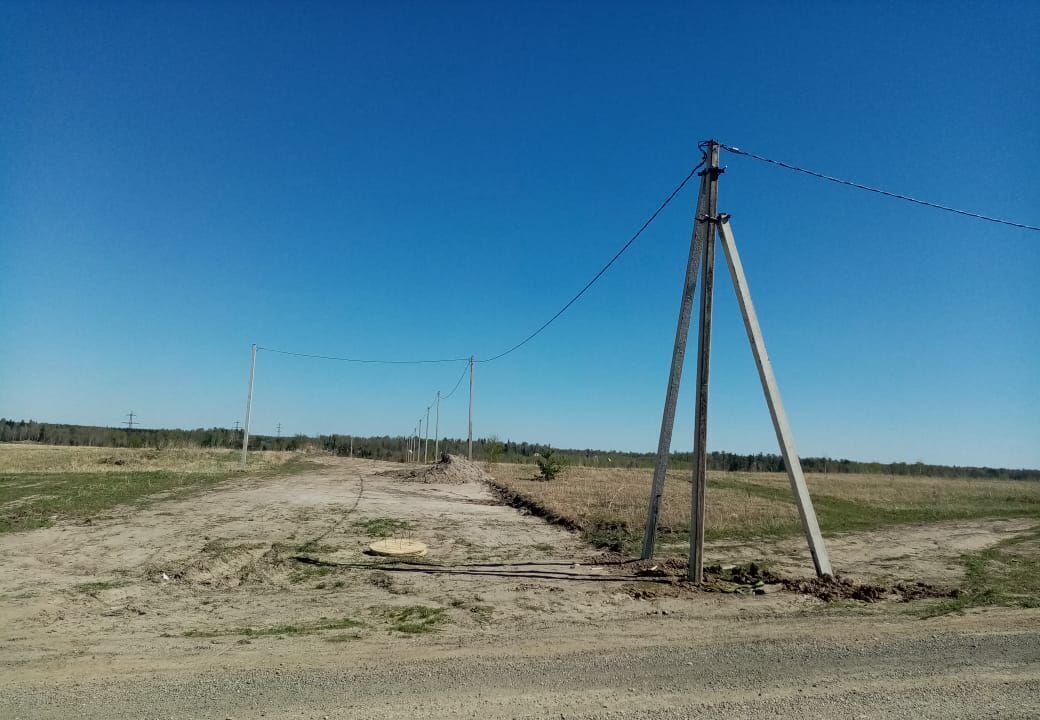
x=360 y=360
x=602 y=270
x=542 y=327
x=457 y=384
x=879 y=191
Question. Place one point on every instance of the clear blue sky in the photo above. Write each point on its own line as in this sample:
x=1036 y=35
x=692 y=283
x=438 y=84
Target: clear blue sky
x=179 y=180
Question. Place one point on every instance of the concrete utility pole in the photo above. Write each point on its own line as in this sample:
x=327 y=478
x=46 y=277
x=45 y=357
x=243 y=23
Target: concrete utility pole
x=351 y=446
x=437 y=430
x=129 y=423
x=682 y=331
x=706 y=222
x=418 y=442
x=426 y=445
x=700 y=431
x=470 y=442
x=249 y=404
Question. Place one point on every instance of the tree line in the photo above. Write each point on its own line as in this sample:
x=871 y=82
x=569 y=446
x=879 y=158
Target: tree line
x=398 y=449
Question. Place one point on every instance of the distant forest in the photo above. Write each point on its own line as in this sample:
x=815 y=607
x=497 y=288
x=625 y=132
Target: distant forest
x=396 y=448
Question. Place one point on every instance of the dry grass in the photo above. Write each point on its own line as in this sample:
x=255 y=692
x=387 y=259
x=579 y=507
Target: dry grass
x=31 y=458
x=592 y=495
x=744 y=505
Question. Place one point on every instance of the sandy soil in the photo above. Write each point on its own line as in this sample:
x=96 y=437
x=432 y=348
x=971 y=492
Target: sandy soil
x=143 y=614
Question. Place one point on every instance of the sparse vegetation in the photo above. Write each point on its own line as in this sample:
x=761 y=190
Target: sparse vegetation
x=609 y=505
x=307 y=628
x=481 y=612
x=39 y=485
x=1006 y=574
x=306 y=573
x=415 y=619
x=93 y=588
x=384 y=581
x=381 y=527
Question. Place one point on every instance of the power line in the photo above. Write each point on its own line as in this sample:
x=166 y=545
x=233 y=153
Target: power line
x=879 y=191
x=363 y=360
x=542 y=327
x=457 y=383
x=602 y=270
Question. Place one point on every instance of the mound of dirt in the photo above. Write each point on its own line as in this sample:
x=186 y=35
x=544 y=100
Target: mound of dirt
x=451 y=470
x=752 y=578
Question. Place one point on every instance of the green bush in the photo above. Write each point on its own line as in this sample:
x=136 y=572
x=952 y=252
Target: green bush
x=549 y=464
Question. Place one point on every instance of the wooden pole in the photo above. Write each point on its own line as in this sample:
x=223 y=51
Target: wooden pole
x=682 y=331
x=700 y=435
x=784 y=436
x=470 y=442
x=249 y=404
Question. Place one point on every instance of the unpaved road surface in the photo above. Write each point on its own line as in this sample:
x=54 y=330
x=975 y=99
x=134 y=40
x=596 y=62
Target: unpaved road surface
x=196 y=608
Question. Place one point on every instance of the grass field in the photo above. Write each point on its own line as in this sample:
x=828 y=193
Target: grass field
x=40 y=484
x=609 y=505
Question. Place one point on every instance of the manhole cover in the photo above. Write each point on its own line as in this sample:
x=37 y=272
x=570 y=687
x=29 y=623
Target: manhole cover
x=398 y=547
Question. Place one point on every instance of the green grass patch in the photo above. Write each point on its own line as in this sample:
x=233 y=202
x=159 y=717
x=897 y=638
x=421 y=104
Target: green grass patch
x=30 y=500
x=343 y=637
x=415 y=619
x=381 y=527
x=284 y=630
x=306 y=573
x=1006 y=574
x=841 y=515
x=34 y=500
x=92 y=588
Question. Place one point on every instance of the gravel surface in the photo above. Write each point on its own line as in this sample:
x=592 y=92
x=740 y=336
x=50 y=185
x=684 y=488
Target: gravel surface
x=930 y=675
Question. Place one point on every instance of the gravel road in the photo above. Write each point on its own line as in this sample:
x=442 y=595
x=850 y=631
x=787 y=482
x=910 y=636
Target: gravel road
x=955 y=673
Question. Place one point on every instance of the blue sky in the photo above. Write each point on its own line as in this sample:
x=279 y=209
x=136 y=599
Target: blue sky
x=410 y=180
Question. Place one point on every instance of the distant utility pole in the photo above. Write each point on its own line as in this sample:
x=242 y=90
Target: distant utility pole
x=418 y=441
x=249 y=404
x=470 y=453
x=237 y=423
x=426 y=445
x=278 y=430
x=130 y=423
x=351 y=446
x=437 y=430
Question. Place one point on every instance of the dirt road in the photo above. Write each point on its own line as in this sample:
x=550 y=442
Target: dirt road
x=197 y=608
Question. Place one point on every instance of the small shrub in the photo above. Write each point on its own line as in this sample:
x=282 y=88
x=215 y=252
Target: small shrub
x=549 y=464
x=493 y=450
